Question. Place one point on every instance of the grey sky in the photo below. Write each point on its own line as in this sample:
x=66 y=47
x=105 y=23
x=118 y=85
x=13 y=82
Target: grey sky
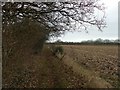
x=111 y=32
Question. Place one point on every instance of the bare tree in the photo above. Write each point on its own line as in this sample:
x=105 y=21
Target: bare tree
x=57 y=17
x=29 y=23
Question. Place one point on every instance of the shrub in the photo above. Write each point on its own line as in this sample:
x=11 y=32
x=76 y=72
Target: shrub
x=57 y=50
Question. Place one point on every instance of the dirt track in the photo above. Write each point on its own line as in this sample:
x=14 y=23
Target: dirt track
x=46 y=71
x=40 y=71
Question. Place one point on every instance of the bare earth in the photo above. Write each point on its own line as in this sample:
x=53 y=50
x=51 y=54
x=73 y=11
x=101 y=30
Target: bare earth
x=82 y=67
x=101 y=59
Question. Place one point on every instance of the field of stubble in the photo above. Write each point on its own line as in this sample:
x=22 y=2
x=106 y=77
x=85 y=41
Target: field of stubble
x=100 y=59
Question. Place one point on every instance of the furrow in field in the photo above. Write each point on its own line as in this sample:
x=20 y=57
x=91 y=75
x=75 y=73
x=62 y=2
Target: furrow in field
x=106 y=65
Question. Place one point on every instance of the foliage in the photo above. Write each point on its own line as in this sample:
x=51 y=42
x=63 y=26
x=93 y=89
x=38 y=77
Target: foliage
x=23 y=36
x=101 y=41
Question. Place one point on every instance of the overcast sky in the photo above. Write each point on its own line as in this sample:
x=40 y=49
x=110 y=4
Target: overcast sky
x=111 y=32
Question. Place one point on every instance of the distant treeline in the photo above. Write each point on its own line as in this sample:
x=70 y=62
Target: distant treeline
x=93 y=42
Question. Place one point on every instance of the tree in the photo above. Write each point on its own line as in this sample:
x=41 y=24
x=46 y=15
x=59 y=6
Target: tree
x=117 y=41
x=99 y=40
x=107 y=41
x=57 y=17
x=25 y=22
